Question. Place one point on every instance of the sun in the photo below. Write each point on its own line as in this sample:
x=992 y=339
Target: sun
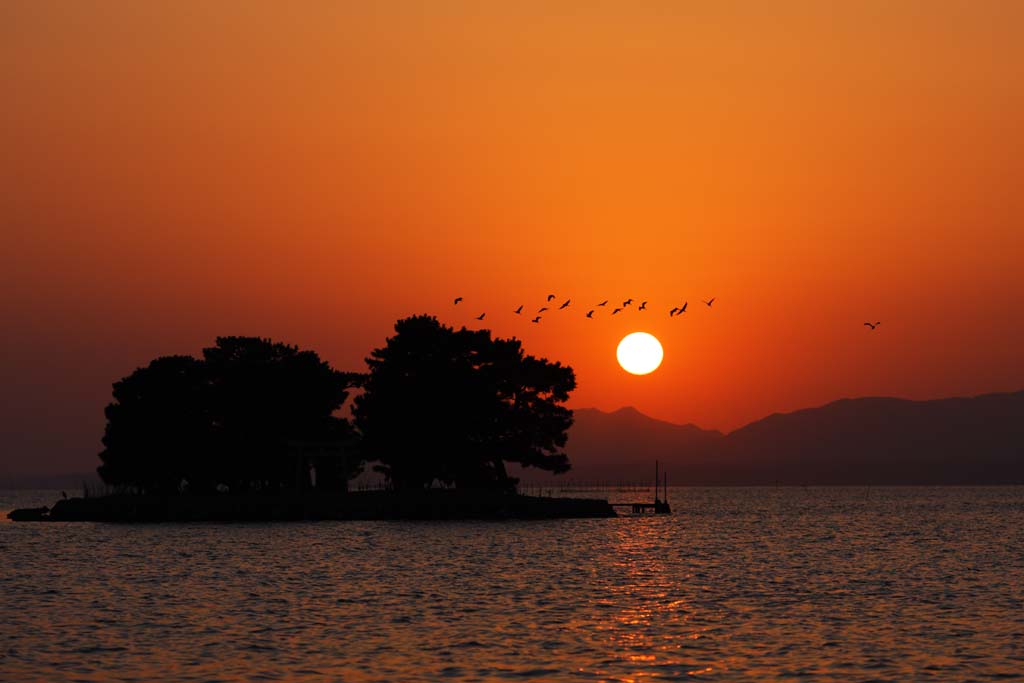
x=639 y=353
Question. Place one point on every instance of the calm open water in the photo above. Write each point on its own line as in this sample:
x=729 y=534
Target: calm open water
x=843 y=584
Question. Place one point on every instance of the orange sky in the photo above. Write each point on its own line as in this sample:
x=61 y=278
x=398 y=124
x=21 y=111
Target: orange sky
x=173 y=171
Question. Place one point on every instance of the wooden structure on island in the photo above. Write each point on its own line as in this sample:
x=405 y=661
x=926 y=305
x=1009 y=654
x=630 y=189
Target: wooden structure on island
x=660 y=505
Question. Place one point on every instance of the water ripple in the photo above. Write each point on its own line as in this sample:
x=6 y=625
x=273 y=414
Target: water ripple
x=740 y=584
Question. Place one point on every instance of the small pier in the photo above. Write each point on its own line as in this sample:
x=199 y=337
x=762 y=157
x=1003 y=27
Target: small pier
x=660 y=505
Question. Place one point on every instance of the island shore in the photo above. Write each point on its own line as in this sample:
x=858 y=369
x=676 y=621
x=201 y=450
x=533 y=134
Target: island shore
x=433 y=504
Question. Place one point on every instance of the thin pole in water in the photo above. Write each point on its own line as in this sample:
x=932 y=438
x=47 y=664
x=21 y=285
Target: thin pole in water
x=656 y=477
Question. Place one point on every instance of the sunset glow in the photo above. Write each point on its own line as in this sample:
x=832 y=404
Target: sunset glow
x=314 y=173
x=465 y=340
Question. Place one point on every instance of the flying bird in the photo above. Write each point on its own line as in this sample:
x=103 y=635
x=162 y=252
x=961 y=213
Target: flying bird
x=673 y=312
x=710 y=301
x=542 y=309
x=873 y=326
x=616 y=311
x=627 y=302
x=536 y=320
x=603 y=303
x=457 y=300
x=643 y=306
x=590 y=313
x=565 y=305
x=550 y=297
x=519 y=310
x=481 y=316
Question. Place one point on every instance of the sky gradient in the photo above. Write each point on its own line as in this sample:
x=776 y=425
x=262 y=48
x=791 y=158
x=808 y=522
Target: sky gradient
x=171 y=172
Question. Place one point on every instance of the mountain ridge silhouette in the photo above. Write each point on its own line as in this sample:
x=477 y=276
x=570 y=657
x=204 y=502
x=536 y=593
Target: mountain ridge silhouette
x=849 y=441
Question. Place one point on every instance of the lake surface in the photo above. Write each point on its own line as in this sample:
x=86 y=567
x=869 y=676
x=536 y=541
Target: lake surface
x=844 y=584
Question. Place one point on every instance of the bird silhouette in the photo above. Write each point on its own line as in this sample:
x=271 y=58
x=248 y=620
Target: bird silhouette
x=565 y=305
x=710 y=301
x=457 y=300
x=627 y=302
x=481 y=316
x=603 y=303
x=542 y=309
x=683 y=309
x=590 y=313
x=550 y=297
x=536 y=320
x=519 y=310
x=643 y=306
x=616 y=311
x=673 y=311
x=873 y=326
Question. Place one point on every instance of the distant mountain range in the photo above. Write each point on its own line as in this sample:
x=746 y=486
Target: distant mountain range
x=976 y=440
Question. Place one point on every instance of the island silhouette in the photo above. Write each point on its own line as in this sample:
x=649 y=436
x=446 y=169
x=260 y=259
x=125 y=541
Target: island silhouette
x=255 y=429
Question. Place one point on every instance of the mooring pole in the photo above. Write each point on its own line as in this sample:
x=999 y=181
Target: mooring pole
x=656 y=477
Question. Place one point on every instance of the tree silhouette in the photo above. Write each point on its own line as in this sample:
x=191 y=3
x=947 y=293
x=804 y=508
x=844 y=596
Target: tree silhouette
x=242 y=417
x=158 y=427
x=455 y=406
x=266 y=397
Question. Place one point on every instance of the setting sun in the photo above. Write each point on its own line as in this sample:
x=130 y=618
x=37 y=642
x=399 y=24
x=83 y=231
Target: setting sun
x=639 y=353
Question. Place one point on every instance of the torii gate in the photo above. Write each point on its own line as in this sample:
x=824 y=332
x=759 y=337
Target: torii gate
x=302 y=451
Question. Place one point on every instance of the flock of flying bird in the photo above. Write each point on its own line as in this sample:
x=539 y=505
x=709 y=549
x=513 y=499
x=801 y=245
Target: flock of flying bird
x=678 y=310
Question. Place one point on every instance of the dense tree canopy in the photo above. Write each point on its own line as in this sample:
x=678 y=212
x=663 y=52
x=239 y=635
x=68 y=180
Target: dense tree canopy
x=439 y=405
x=236 y=418
x=455 y=405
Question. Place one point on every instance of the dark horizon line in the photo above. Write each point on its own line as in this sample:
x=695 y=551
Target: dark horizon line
x=553 y=481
